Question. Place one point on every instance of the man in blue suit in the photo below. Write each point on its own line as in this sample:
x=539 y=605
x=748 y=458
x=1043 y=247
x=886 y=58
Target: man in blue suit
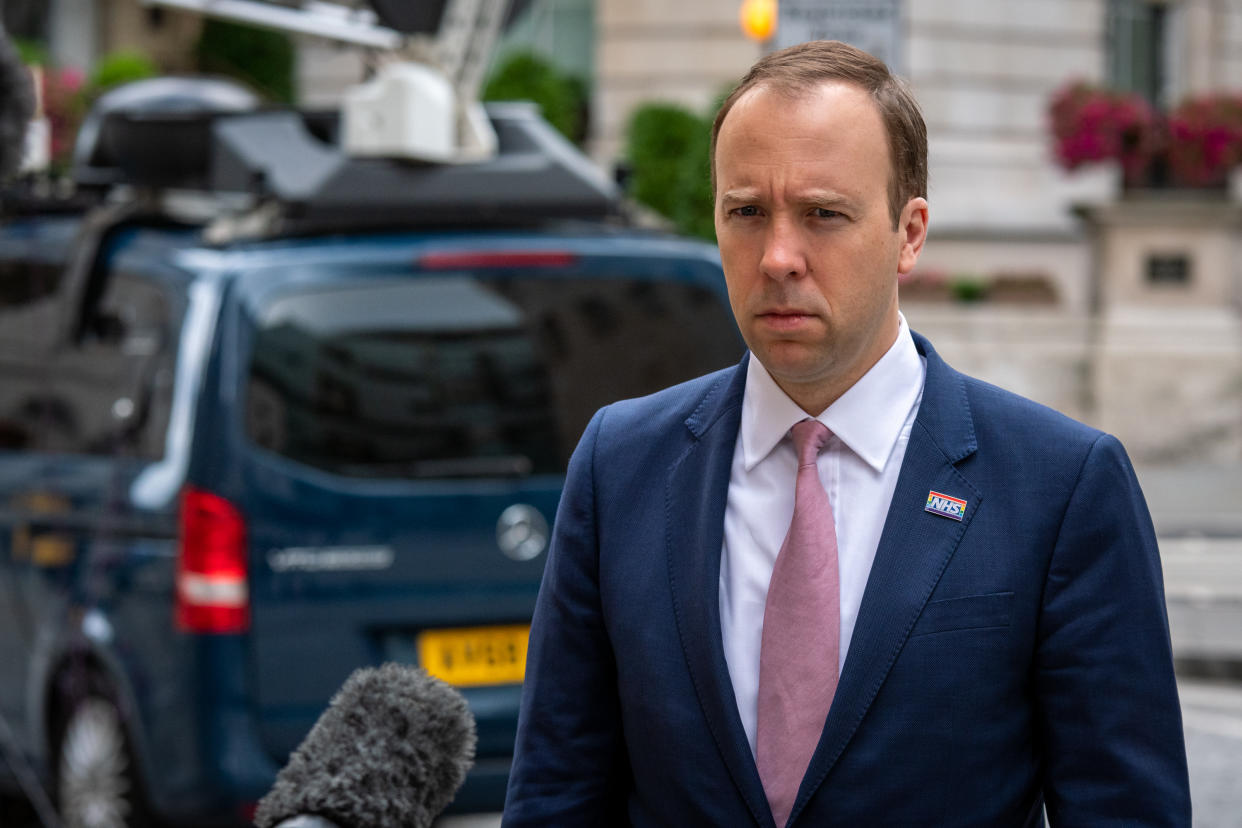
x=841 y=584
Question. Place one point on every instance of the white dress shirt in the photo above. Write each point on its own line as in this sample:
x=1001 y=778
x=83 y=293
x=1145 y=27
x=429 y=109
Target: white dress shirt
x=870 y=425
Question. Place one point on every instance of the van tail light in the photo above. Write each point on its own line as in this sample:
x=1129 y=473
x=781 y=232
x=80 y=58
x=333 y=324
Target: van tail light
x=213 y=594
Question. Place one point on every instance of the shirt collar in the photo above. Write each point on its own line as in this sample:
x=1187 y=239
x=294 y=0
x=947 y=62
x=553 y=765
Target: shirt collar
x=867 y=418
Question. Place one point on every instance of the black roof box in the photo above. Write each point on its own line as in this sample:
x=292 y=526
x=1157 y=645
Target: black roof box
x=536 y=173
x=155 y=131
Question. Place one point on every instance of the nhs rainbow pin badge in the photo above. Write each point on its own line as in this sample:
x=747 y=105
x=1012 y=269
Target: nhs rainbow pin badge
x=945 y=506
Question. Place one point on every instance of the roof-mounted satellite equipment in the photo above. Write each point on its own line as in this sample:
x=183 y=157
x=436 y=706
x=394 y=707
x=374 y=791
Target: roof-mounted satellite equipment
x=206 y=151
x=424 y=110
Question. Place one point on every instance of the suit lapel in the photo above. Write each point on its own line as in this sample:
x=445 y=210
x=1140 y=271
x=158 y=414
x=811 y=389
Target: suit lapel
x=914 y=549
x=698 y=483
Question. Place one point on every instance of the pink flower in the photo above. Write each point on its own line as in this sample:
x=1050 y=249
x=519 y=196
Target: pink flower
x=1206 y=139
x=71 y=78
x=1198 y=142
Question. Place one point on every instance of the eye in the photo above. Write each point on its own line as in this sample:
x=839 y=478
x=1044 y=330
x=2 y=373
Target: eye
x=746 y=211
x=825 y=213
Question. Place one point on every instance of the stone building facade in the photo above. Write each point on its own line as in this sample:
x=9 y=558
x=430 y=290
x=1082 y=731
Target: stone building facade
x=984 y=71
x=1157 y=362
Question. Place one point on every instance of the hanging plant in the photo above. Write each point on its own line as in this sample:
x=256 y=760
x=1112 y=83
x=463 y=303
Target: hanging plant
x=1194 y=145
x=1090 y=123
x=1205 y=139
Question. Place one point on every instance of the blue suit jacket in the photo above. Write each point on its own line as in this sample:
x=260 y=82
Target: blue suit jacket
x=1015 y=658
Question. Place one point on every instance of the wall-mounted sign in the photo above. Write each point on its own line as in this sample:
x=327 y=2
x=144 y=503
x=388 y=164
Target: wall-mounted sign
x=871 y=25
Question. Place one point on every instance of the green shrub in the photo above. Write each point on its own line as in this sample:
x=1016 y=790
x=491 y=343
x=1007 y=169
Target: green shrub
x=667 y=148
x=259 y=58
x=694 y=211
x=32 y=52
x=968 y=288
x=524 y=76
x=117 y=68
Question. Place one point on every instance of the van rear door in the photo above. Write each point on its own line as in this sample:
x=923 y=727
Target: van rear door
x=404 y=440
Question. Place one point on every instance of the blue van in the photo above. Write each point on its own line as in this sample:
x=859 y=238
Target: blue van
x=258 y=431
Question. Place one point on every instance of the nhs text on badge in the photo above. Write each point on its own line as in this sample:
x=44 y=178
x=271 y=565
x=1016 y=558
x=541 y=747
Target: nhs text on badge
x=944 y=505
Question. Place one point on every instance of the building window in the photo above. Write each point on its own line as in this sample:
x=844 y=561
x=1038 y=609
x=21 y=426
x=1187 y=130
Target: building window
x=1136 y=48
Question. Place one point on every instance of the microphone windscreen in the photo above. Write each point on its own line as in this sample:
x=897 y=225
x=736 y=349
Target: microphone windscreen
x=390 y=751
x=17 y=104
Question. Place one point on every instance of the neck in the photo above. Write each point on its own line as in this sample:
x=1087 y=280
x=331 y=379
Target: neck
x=814 y=397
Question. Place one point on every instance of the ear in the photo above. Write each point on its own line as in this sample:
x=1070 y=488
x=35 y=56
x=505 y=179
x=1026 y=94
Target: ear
x=913 y=230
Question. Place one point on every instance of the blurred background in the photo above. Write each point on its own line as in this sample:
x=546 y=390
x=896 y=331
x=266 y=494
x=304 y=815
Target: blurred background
x=1085 y=190
x=1085 y=160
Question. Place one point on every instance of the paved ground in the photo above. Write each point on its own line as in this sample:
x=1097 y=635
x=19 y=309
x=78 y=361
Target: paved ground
x=1198 y=515
x=1203 y=591
x=1212 y=717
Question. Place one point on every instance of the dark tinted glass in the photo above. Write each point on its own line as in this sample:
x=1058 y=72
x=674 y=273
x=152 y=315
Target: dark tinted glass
x=114 y=380
x=29 y=311
x=468 y=377
x=30 y=318
x=1136 y=37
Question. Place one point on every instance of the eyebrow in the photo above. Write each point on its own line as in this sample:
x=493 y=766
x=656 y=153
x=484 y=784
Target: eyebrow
x=820 y=198
x=738 y=196
x=825 y=198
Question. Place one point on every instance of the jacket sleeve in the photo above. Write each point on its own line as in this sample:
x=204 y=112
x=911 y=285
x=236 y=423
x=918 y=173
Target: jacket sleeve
x=1110 y=720
x=569 y=765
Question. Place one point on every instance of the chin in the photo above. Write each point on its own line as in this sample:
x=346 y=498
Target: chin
x=788 y=367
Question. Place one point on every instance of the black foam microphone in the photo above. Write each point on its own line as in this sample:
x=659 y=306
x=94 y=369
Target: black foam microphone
x=17 y=104
x=390 y=751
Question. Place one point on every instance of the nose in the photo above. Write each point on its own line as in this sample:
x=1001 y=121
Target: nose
x=784 y=256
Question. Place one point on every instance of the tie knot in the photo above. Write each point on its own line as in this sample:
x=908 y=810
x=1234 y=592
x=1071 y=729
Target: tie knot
x=809 y=437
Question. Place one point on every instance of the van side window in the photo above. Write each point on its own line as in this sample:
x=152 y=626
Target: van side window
x=26 y=287
x=604 y=340
x=427 y=378
x=446 y=377
x=116 y=376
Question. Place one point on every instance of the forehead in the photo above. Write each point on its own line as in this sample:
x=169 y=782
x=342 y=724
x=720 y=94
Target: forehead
x=831 y=127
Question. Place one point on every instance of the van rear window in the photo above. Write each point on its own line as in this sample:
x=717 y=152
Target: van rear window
x=468 y=377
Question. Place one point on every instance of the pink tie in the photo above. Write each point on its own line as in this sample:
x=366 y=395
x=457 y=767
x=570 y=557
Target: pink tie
x=801 y=634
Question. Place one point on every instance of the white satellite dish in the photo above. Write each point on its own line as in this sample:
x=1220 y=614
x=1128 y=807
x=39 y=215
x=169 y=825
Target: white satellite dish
x=425 y=110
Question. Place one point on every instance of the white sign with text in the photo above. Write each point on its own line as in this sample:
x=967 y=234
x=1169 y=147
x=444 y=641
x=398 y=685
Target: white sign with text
x=871 y=25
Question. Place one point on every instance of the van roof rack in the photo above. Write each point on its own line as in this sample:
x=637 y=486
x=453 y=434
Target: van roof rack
x=535 y=173
x=412 y=146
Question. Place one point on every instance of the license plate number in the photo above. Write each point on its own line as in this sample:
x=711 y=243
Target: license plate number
x=475 y=656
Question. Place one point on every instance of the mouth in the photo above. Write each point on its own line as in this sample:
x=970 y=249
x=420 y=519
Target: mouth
x=785 y=318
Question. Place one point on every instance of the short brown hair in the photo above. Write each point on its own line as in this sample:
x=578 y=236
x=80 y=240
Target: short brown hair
x=801 y=68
